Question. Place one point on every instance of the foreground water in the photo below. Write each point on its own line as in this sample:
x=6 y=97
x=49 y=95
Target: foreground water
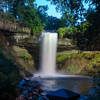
x=80 y=85
x=37 y=88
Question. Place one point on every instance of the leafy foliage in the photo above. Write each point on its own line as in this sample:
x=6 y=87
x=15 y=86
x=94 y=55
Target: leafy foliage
x=82 y=24
x=73 y=30
x=94 y=30
x=72 y=10
x=24 y=12
x=53 y=23
x=31 y=18
x=62 y=32
x=78 y=33
x=76 y=23
x=9 y=76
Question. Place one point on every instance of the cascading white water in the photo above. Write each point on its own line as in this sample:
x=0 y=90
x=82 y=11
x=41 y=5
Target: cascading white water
x=48 y=53
x=48 y=42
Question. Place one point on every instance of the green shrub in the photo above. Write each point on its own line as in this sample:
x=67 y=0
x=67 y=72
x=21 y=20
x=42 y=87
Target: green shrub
x=73 y=68
x=88 y=55
x=62 y=58
x=9 y=76
x=61 y=32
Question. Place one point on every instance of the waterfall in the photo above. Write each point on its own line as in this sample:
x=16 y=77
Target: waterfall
x=48 y=53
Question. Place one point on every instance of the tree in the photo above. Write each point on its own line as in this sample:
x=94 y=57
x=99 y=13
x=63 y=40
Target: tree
x=30 y=17
x=93 y=17
x=53 y=23
x=25 y=13
x=61 y=32
x=72 y=10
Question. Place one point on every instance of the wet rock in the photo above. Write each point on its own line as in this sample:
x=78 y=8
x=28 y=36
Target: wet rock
x=62 y=94
x=92 y=91
x=31 y=90
x=83 y=98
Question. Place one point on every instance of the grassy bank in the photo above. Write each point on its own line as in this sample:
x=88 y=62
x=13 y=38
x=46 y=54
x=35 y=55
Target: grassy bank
x=87 y=63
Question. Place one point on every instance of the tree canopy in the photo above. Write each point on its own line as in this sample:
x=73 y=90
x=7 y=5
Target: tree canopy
x=77 y=22
x=24 y=12
x=72 y=10
x=82 y=24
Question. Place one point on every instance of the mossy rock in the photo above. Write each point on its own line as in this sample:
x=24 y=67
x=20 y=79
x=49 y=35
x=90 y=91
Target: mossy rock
x=24 y=58
x=22 y=52
x=73 y=68
x=87 y=63
x=62 y=57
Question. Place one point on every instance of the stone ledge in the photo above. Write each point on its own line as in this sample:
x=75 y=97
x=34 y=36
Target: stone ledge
x=13 y=27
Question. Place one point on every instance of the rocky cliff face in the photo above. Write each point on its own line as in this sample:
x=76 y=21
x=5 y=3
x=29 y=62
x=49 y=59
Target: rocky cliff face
x=23 y=58
x=66 y=44
x=13 y=27
x=19 y=55
x=25 y=50
x=32 y=45
x=16 y=61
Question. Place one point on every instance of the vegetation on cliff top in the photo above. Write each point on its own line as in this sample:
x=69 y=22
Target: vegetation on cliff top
x=82 y=23
x=77 y=22
x=23 y=12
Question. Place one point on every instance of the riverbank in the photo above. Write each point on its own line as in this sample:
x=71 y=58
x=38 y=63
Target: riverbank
x=83 y=63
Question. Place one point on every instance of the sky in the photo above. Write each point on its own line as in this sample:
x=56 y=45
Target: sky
x=51 y=11
x=52 y=8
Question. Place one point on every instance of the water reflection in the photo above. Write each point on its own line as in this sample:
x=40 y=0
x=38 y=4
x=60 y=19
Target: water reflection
x=49 y=84
x=78 y=85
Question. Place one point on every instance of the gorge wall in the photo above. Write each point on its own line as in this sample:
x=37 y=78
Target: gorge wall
x=24 y=49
